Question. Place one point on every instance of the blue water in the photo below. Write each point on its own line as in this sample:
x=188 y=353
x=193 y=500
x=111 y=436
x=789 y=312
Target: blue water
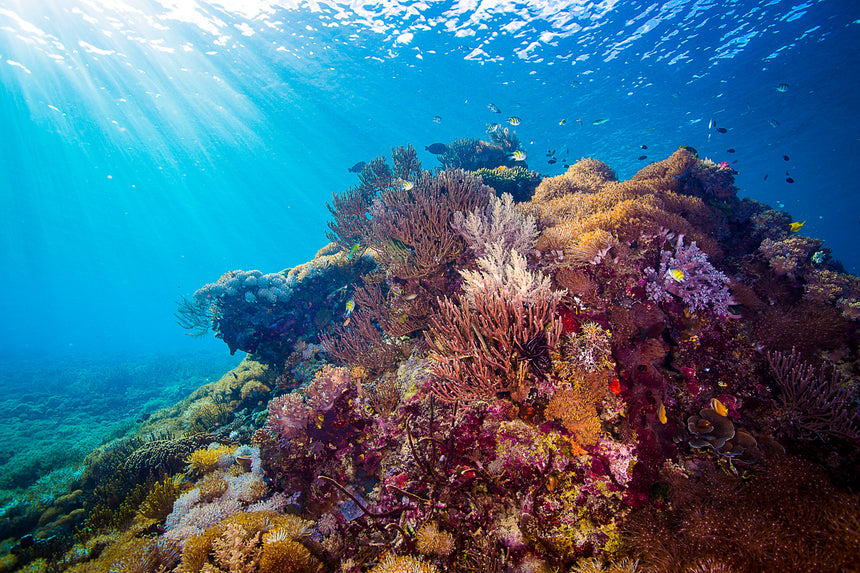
x=147 y=147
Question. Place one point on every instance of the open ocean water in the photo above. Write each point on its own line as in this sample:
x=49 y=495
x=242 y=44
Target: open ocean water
x=146 y=147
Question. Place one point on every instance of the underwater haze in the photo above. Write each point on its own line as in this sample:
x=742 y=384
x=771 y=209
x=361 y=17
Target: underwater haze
x=150 y=146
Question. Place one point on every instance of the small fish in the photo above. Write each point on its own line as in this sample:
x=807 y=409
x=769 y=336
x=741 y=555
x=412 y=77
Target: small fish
x=719 y=407
x=514 y=120
x=234 y=375
x=411 y=296
x=789 y=180
x=782 y=88
x=786 y=157
x=358 y=167
x=676 y=275
x=350 y=306
x=501 y=167
x=712 y=124
x=493 y=108
x=731 y=150
x=642 y=157
x=437 y=119
x=550 y=152
x=722 y=130
x=643 y=147
x=773 y=123
x=436 y=148
x=352 y=251
x=818 y=257
x=765 y=176
x=795 y=227
x=690 y=149
x=518 y=155
x=600 y=121
x=562 y=122
x=661 y=414
x=615 y=386
x=552 y=160
x=407 y=185
x=347 y=321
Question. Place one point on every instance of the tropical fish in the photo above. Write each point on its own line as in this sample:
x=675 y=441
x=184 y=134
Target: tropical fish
x=690 y=149
x=350 y=306
x=795 y=227
x=562 y=122
x=501 y=167
x=789 y=180
x=493 y=108
x=437 y=119
x=550 y=152
x=436 y=148
x=719 y=407
x=353 y=250
x=722 y=130
x=730 y=150
x=514 y=120
x=642 y=157
x=661 y=414
x=643 y=147
x=765 y=176
x=358 y=167
x=615 y=386
x=552 y=160
x=786 y=157
x=518 y=155
x=600 y=121
x=773 y=123
x=818 y=257
x=409 y=297
x=712 y=124
x=782 y=88
x=494 y=127
x=406 y=185
x=676 y=275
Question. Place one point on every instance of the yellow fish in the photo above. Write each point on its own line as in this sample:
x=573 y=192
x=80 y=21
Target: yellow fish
x=501 y=168
x=719 y=407
x=795 y=227
x=661 y=414
x=676 y=275
x=518 y=156
x=350 y=306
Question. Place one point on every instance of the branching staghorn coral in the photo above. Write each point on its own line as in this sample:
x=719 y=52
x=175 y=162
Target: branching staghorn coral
x=818 y=405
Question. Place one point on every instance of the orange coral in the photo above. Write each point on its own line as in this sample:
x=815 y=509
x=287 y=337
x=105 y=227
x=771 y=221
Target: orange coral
x=577 y=406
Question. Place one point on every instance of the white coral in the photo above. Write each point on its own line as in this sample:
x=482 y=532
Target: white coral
x=505 y=272
x=499 y=221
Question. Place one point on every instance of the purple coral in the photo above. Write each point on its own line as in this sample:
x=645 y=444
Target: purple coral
x=288 y=416
x=687 y=274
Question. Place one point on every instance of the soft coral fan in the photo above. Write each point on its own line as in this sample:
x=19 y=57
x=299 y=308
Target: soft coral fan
x=687 y=274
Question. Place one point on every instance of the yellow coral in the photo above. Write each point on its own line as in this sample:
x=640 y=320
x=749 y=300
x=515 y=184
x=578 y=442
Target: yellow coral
x=159 y=501
x=403 y=564
x=205 y=460
x=431 y=541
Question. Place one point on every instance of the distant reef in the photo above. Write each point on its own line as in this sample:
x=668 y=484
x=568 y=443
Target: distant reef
x=490 y=370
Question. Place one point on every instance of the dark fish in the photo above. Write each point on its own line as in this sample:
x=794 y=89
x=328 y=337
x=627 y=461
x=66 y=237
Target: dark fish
x=722 y=130
x=437 y=148
x=493 y=108
x=641 y=157
x=690 y=149
x=552 y=160
x=358 y=167
x=789 y=180
x=730 y=150
x=437 y=119
x=643 y=146
x=234 y=375
x=765 y=176
x=785 y=157
x=565 y=165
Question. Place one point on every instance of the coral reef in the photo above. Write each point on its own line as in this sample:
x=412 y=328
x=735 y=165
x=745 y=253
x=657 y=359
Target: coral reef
x=640 y=375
